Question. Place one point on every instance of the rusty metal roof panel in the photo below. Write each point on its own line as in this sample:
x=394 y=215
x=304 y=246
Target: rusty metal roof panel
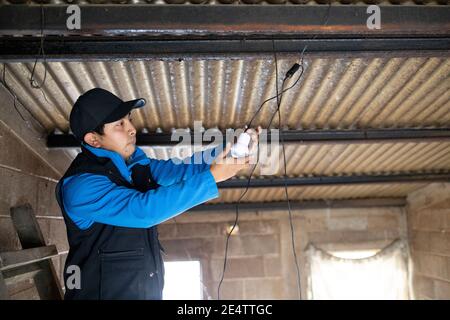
x=333 y=93
x=342 y=159
x=224 y=92
x=376 y=158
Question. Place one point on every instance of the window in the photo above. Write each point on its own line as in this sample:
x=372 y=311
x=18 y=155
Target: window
x=182 y=280
x=359 y=275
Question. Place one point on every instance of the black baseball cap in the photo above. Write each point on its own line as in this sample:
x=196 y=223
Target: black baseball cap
x=96 y=107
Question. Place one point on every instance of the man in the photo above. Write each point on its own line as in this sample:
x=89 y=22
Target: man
x=113 y=196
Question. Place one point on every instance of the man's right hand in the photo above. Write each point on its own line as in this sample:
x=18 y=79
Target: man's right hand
x=225 y=167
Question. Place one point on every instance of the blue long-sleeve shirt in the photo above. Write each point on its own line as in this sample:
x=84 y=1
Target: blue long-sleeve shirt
x=89 y=198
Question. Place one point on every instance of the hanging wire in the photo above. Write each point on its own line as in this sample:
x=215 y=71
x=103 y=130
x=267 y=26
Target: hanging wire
x=277 y=111
x=278 y=96
x=41 y=53
x=11 y=92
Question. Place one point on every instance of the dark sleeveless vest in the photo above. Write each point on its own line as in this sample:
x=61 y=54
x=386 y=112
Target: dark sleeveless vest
x=115 y=262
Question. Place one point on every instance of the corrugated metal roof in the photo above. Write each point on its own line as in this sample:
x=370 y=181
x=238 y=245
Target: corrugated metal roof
x=377 y=158
x=334 y=93
x=346 y=159
x=224 y=92
x=302 y=193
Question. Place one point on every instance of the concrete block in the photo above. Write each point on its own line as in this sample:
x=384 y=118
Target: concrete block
x=46 y=204
x=446 y=214
x=314 y=224
x=263 y=289
x=448 y=268
x=167 y=231
x=413 y=219
x=423 y=286
x=254 y=245
x=420 y=240
x=54 y=232
x=24 y=290
x=383 y=222
x=431 y=265
x=444 y=204
x=238 y=268
x=17 y=189
x=440 y=243
x=347 y=223
x=229 y=290
x=352 y=236
x=441 y=290
x=186 y=249
x=240 y=246
x=30 y=135
x=260 y=227
x=272 y=266
x=431 y=195
x=429 y=220
x=197 y=230
x=16 y=155
x=9 y=240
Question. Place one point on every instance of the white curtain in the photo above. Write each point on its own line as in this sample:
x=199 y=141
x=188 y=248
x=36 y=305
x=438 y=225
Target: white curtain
x=383 y=276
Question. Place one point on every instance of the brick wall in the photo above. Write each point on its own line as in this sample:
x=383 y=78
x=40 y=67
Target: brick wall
x=429 y=233
x=260 y=258
x=26 y=179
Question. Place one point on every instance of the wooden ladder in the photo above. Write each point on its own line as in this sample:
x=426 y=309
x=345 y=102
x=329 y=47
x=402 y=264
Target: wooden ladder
x=33 y=261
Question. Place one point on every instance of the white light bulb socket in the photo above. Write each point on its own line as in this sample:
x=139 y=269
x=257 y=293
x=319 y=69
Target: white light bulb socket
x=240 y=149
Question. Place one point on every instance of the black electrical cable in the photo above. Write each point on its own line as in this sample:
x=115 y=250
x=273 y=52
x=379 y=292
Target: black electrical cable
x=289 y=74
x=291 y=71
x=235 y=223
x=41 y=52
x=16 y=100
x=290 y=213
x=33 y=82
x=279 y=95
x=11 y=92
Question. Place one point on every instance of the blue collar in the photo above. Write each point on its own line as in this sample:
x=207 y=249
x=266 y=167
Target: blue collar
x=138 y=157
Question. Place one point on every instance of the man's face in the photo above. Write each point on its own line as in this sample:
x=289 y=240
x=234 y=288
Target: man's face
x=119 y=136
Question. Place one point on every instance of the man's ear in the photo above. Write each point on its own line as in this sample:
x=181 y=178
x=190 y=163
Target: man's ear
x=92 y=139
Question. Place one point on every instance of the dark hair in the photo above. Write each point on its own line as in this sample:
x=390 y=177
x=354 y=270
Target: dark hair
x=100 y=129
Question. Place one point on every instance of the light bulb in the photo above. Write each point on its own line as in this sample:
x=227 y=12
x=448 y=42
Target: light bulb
x=240 y=149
